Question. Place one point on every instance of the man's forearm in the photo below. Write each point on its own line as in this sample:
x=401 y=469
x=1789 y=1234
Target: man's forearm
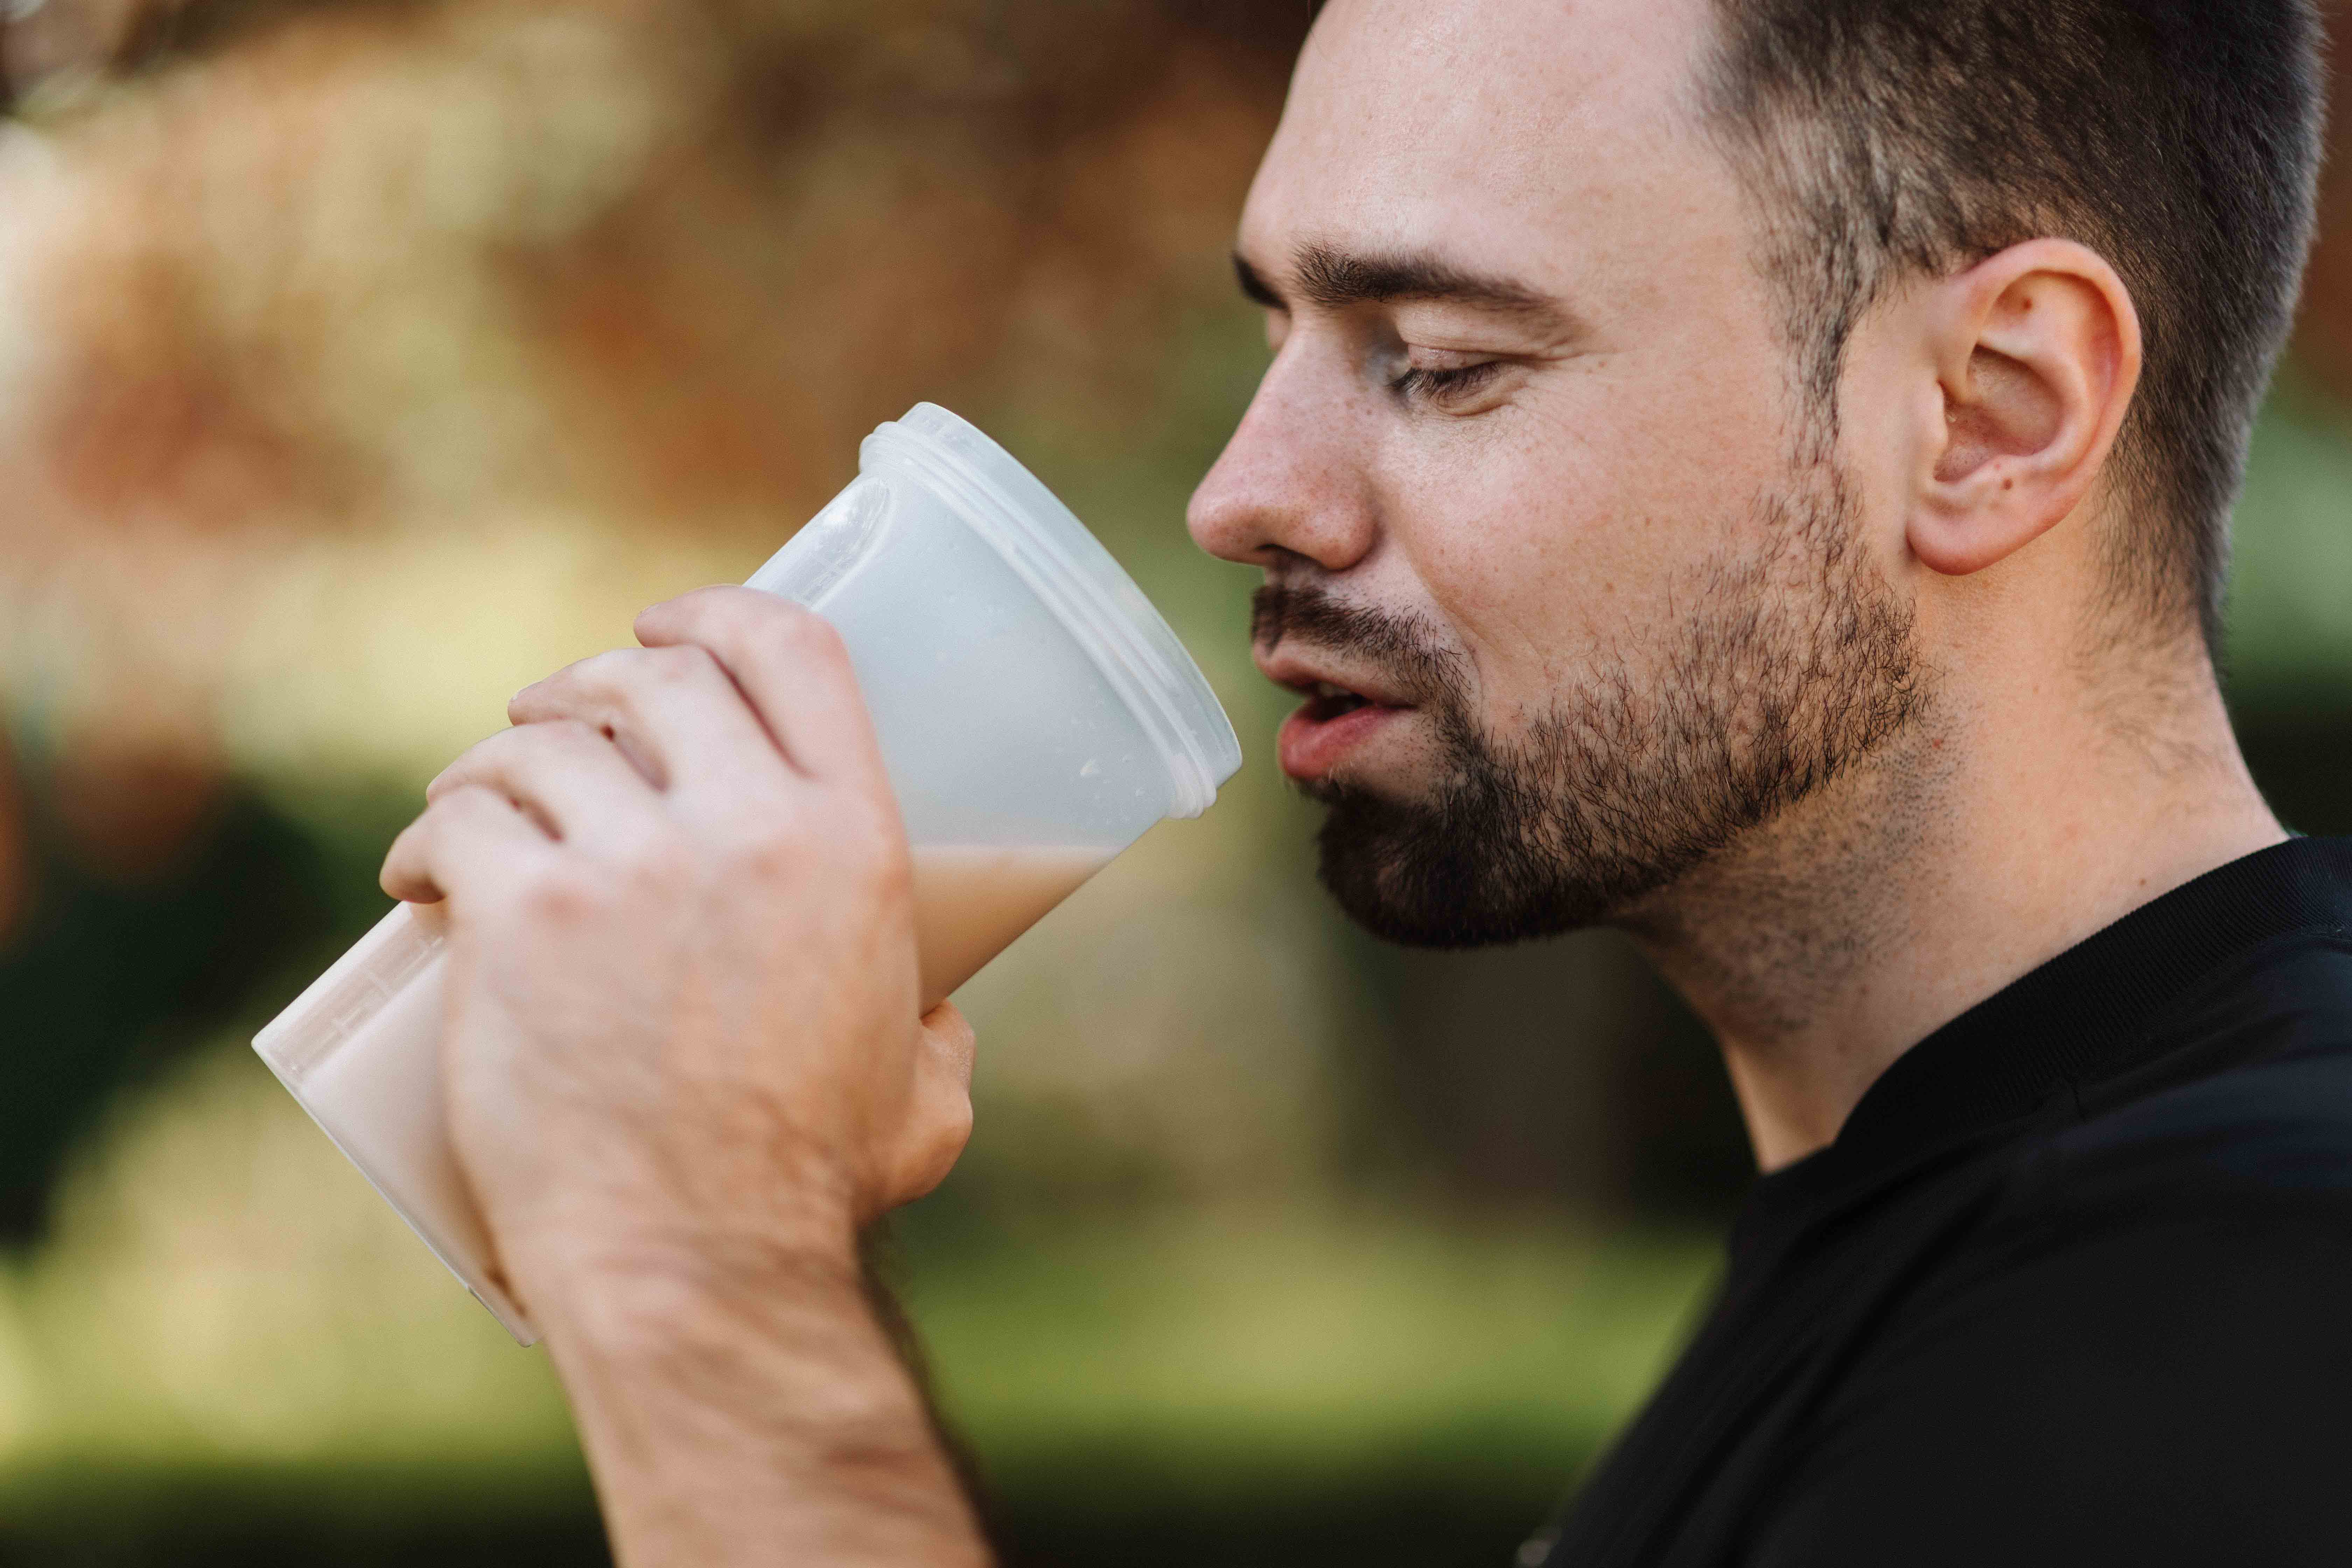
x=683 y=1069
x=739 y=1414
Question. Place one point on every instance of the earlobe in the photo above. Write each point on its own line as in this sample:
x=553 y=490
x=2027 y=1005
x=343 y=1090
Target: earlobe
x=2037 y=355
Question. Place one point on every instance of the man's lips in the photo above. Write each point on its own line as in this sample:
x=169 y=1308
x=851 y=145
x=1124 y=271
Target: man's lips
x=1314 y=741
x=1349 y=699
x=1321 y=676
x=1338 y=717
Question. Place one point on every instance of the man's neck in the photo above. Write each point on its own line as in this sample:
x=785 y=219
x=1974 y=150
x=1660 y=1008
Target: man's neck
x=1970 y=850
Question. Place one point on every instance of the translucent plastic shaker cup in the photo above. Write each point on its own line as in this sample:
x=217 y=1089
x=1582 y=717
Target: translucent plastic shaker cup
x=1036 y=715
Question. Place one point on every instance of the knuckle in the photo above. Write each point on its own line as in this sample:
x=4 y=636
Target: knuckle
x=559 y=895
x=567 y=735
x=680 y=664
x=591 y=674
x=467 y=796
x=814 y=638
x=605 y=672
x=872 y=828
x=583 y=685
x=855 y=833
x=481 y=770
x=658 y=863
x=539 y=697
x=890 y=873
x=685 y=606
x=468 y=770
x=617 y=684
x=668 y=609
x=649 y=858
x=769 y=843
x=484 y=749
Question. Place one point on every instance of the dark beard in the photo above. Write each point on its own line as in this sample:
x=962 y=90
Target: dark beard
x=1793 y=665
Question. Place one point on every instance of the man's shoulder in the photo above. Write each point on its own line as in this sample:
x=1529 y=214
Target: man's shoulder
x=2240 y=1173
x=2228 y=1159
x=2253 y=1104
x=2124 y=1340
x=2135 y=1353
x=2154 y=1374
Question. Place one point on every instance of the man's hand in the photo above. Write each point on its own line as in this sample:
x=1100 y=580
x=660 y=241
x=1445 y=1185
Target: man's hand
x=684 y=1069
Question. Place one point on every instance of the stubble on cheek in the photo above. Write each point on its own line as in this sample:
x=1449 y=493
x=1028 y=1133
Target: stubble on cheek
x=1782 y=660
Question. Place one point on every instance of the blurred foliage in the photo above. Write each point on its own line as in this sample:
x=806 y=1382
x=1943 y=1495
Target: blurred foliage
x=363 y=360
x=2291 y=593
x=103 y=965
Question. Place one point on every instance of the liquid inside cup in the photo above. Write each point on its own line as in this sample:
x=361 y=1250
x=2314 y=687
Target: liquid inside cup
x=382 y=1100
x=970 y=903
x=379 y=1097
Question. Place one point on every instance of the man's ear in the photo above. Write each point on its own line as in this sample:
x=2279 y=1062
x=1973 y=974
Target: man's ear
x=2037 y=353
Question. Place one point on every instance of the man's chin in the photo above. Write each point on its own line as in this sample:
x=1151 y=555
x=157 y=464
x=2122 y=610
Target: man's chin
x=1422 y=876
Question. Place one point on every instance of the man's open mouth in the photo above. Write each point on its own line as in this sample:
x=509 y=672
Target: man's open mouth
x=1330 y=726
x=1325 y=701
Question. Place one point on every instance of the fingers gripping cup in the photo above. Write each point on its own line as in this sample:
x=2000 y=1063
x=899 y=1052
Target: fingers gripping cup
x=1036 y=715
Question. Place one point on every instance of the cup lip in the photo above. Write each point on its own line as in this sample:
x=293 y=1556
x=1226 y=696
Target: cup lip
x=1077 y=579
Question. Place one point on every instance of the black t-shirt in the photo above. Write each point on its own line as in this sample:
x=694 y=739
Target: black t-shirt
x=2073 y=1286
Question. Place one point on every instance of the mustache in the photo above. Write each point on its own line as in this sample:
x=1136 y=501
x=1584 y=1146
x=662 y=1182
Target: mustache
x=1399 y=645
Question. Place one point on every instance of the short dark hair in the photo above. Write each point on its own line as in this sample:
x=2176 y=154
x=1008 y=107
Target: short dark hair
x=2180 y=139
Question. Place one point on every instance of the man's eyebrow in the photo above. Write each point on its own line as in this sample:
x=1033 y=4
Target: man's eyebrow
x=1336 y=278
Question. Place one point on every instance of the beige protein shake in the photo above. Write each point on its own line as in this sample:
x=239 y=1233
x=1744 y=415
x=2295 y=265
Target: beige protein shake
x=971 y=903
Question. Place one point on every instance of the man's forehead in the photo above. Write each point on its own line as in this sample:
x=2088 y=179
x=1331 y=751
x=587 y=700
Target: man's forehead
x=1417 y=124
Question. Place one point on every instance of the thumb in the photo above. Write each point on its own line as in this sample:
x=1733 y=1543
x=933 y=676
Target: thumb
x=938 y=1113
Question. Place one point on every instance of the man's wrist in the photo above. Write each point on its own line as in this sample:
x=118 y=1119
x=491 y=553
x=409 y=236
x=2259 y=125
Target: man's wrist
x=749 y=1378
x=644 y=1289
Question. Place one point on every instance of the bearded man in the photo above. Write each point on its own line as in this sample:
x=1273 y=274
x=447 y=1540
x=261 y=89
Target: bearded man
x=1751 y=473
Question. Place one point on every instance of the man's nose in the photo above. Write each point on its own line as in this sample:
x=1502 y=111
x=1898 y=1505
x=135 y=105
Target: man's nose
x=1294 y=481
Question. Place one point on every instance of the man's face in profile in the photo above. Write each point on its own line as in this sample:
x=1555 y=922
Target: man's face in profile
x=1579 y=587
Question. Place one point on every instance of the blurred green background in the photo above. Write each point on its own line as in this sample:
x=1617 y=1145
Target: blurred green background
x=362 y=362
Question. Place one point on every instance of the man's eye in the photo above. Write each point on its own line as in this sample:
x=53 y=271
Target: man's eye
x=1443 y=387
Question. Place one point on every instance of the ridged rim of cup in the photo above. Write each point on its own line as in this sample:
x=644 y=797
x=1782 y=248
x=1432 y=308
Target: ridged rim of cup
x=1077 y=579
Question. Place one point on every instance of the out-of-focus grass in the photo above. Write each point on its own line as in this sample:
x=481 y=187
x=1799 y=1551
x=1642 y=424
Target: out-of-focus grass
x=1257 y=1353
x=225 y=1298
x=222 y=1286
